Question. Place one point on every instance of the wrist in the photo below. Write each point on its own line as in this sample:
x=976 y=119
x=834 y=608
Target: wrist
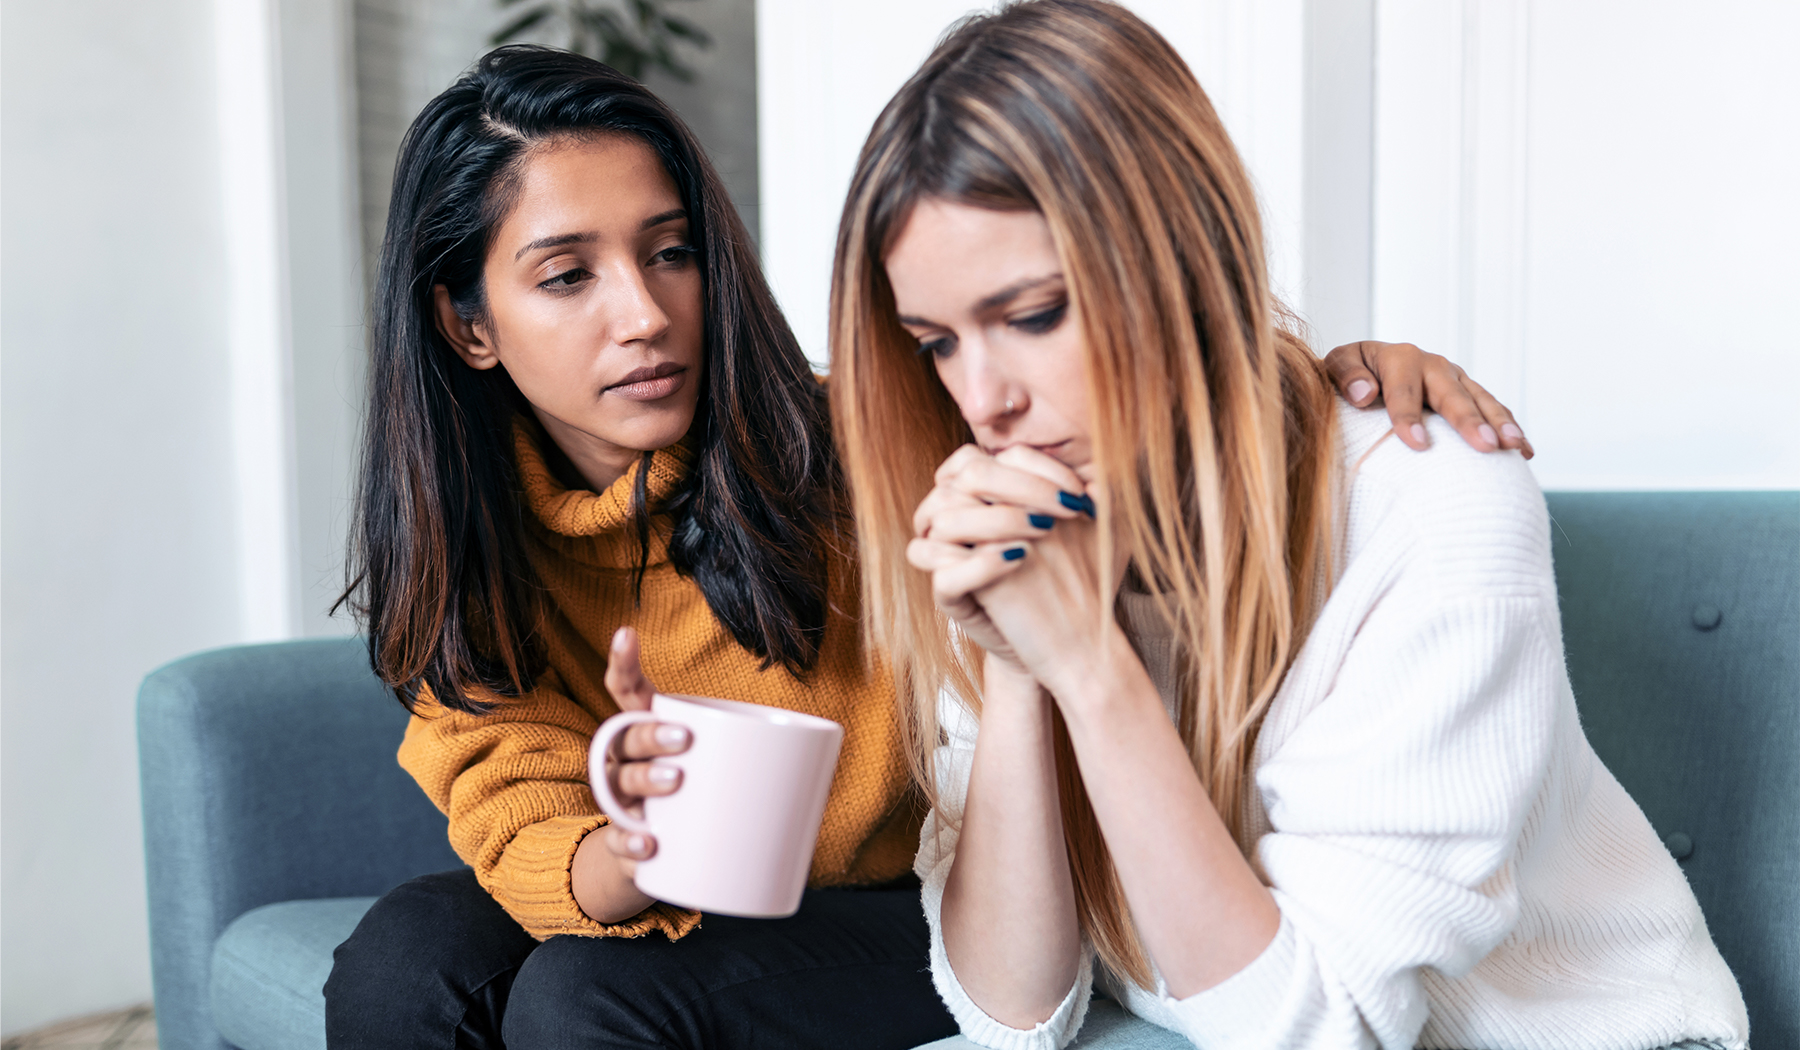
x=1101 y=681
x=601 y=883
x=1004 y=677
x=1079 y=668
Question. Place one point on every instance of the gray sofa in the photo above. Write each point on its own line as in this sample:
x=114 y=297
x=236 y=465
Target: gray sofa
x=274 y=812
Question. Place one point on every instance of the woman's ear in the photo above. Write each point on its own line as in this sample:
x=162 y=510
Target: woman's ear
x=464 y=337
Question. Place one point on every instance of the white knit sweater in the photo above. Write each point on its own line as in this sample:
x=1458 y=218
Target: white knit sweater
x=1455 y=868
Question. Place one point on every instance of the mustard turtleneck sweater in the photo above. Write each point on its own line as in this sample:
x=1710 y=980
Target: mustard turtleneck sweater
x=514 y=782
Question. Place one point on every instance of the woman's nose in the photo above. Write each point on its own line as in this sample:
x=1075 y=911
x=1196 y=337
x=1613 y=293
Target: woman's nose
x=990 y=397
x=634 y=315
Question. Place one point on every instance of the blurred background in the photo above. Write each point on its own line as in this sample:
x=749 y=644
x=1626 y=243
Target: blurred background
x=1589 y=204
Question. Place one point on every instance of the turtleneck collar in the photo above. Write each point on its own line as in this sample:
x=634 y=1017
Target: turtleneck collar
x=581 y=512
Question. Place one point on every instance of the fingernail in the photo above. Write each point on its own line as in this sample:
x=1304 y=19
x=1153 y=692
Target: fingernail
x=618 y=641
x=671 y=736
x=635 y=843
x=1511 y=431
x=1040 y=521
x=1360 y=389
x=1013 y=553
x=1487 y=435
x=663 y=776
x=1418 y=433
x=1084 y=504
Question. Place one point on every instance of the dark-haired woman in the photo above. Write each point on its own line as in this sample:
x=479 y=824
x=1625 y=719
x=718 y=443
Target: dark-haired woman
x=588 y=416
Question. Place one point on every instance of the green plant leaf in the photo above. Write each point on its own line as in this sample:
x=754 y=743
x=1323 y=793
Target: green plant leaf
x=688 y=31
x=520 y=24
x=632 y=36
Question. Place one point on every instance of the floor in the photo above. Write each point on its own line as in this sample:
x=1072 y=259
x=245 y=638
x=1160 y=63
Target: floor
x=132 y=1029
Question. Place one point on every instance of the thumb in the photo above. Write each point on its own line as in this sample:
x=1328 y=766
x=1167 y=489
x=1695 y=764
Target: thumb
x=625 y=674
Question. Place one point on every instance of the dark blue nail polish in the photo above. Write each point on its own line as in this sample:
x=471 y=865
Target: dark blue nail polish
x=1040 y=521
x=1013 y=553
x=1084 y=504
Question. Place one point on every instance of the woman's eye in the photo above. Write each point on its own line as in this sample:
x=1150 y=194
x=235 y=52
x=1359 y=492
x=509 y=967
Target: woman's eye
x=567 y=279
x=678 y=254
x=1042 y=321
x=942 y=347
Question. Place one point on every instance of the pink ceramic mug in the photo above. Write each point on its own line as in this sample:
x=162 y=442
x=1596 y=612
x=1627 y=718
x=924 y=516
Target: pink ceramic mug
x=737 y=837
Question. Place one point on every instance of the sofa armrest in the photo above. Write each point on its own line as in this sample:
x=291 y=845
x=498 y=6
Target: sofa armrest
x=268 y=774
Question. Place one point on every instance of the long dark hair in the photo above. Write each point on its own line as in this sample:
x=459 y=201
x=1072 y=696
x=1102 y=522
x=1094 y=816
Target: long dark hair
x=438 y=573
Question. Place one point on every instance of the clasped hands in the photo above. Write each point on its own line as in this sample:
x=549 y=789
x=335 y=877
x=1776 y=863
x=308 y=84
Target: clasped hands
x=1011 y=541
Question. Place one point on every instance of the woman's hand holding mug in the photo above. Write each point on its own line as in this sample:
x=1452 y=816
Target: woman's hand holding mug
x=737 y=803
x=606 y=862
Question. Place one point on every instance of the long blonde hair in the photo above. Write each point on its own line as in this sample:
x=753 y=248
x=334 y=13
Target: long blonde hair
x=1213 y=423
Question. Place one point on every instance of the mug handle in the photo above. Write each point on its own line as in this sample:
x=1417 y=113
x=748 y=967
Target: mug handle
x=597 y=753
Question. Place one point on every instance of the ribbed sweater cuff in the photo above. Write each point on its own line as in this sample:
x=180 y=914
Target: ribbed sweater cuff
x=1232 y=1012
x=532 y=883
x=980 y=1028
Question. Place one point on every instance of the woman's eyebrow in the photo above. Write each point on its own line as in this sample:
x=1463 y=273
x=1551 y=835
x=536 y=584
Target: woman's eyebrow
x=1013 y=291
x=562 y=239
x=554 y=242
x=991 y=302
x=657 y=220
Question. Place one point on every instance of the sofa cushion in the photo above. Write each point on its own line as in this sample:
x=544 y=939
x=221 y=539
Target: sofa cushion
x=1108 y=1027
x=269 y=969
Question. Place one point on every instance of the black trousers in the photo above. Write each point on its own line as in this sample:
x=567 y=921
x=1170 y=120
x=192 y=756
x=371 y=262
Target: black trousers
x=437 y=963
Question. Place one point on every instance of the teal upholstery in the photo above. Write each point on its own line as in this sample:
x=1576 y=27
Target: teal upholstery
x=1681 y=621
x=269 y=969
x=269 y=772
x=268 y=775
x=1107 y=1027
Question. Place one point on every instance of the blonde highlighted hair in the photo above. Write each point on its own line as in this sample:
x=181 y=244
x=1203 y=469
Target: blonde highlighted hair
x=1213 y=424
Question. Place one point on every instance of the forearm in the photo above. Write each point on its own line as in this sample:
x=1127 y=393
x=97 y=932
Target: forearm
x=1009 y=905
x=601 y=884
x=1202 y=912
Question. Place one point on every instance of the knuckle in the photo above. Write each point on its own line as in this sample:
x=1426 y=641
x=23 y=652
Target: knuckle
x=640 y=740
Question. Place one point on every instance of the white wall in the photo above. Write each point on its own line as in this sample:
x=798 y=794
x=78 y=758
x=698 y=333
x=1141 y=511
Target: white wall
x=116 y=464
x=1597 y=214
x=325 y=281
x=1590 y=206
x=177 y=339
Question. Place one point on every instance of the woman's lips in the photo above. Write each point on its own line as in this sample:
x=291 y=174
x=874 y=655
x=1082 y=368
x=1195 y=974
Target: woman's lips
x=650 y=384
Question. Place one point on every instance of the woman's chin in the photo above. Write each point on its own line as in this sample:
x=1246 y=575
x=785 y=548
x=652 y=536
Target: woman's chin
x=658 y=431
x=644 y=428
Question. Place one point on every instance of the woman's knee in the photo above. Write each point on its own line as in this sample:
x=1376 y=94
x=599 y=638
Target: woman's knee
x=423 y=956
x=589 y=991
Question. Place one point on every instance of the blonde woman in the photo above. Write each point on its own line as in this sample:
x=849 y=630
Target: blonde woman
x=1244 y=712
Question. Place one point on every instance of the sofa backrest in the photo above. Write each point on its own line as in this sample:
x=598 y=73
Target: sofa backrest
x=1681 y=621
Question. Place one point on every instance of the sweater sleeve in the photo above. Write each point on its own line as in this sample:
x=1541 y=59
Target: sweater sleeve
x=937 y=853
x=514 y=784
x=1393 y=807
